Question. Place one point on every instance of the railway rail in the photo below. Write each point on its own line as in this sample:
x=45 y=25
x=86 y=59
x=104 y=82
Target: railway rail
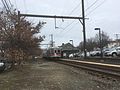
x=109 y=69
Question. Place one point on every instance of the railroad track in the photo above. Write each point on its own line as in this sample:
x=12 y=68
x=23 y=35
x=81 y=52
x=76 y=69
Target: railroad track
x=109 y=69
x=107 y=60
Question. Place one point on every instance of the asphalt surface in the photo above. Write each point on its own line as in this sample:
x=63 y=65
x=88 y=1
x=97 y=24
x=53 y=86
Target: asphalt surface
x=49 y=75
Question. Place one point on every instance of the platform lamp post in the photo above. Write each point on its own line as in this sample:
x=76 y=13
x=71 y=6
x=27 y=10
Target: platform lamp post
x=100 y=41
x=72 y=45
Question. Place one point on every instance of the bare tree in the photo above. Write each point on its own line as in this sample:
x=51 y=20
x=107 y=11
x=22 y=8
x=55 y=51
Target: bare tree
x=19 y=37
x=95 y=43
x=105 y=39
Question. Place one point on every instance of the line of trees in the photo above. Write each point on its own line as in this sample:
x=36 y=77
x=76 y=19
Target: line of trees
x=18 y=39
x=94 y=42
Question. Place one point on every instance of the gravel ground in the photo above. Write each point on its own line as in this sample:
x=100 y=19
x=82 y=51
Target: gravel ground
x=47 y=75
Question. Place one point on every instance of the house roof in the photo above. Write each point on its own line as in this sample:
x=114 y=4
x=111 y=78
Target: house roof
x=68 y=47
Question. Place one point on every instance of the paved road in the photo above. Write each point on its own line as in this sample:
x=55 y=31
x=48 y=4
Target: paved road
x=47 y=75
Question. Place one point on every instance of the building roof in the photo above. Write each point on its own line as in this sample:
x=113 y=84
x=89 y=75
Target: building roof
x=68 y=47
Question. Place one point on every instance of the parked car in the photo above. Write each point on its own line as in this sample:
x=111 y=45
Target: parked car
x=113 y=52
x=106 y=51
x=82 y=54
x=95 y=53
x=2 y=66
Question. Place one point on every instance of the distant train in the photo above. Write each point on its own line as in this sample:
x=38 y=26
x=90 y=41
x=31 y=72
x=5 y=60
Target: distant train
x=52 y=53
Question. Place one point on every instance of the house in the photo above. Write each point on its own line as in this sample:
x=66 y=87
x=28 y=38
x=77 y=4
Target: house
x=114 y=43
x=68 y=49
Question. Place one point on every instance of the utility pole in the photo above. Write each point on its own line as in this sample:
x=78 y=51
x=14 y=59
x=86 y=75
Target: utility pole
x=100 y=40
x=117 y=39
x=51 y=40
x=84 y=33
x=18 y=18
x=116 y=36
x=67 y=17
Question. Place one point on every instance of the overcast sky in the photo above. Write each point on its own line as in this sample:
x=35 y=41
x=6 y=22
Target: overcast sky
x=103 y=14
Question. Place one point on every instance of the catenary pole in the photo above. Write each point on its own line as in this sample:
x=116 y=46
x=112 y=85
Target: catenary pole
x=84 y=32
x=50 y=16
x=66 y=17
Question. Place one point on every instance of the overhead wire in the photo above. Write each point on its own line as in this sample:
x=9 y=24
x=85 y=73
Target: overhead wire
x=70 y=14
x=80 y=15
x=92 y=5
x=5 y=4
x=74 y=9
x=86 y=10
x=16 y=5
x=69 y=25
x=79 y=6
x=10 y=3
x=96 y=7
x=73 y=20
x=78 y=22
x=70 y=28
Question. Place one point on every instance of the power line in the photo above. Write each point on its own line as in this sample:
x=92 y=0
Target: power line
x=74 y=9
x=80 y=15
x=5 y=4
x=10 y=3
x=96 y=7
x=72 y=27
x=89 y=12
x=92 y=5
x=69 y=25
x=70 y=14
x=15 y=4
x=86 y=9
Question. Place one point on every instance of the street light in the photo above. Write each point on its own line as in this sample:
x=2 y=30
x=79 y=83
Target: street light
x=71 y=41
x=72 y=47
x=100 y=41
